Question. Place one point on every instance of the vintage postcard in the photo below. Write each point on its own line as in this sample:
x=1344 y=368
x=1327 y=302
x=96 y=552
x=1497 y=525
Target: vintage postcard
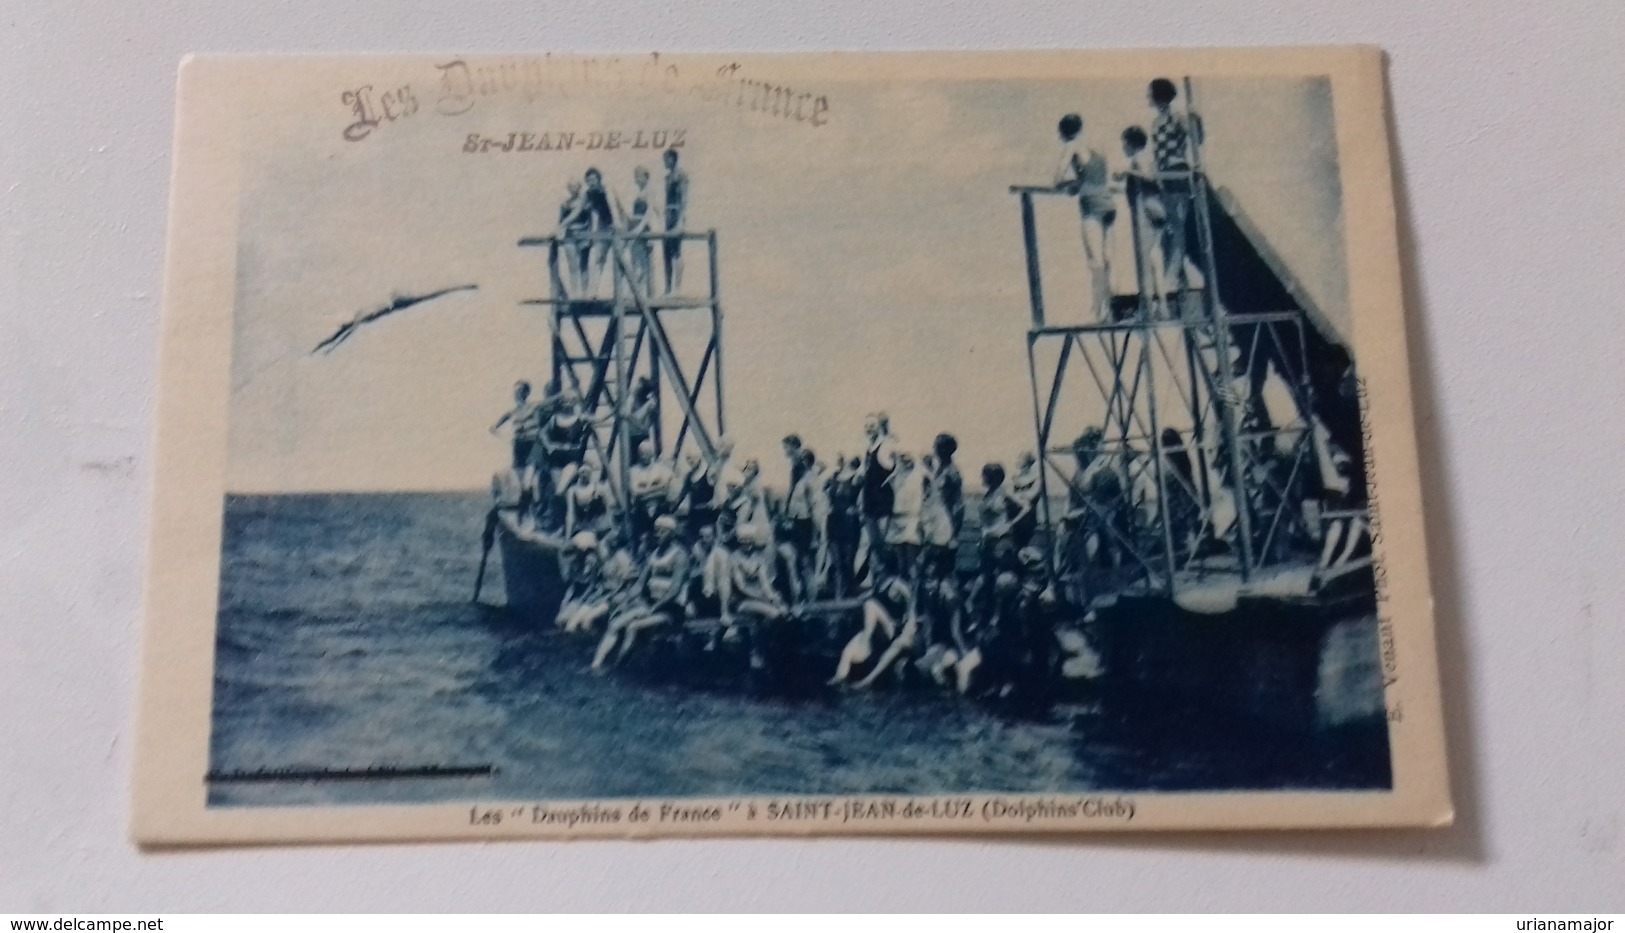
x=650 y=444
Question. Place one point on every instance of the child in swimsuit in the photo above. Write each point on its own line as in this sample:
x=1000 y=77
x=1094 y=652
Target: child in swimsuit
x=1024 y=489
x=889 y=611
x=908 y=502
x=944 y=513
x=657 y=598
x=676 y=220
x=1148 y=215
x=586 y=503
x=708 y=581
x=595 y=203
x=584 y=596
x=652 y=484
x=638 y=225
x=1082 y=172
x=526 y=429
x=573 y=225
x=1171 y=138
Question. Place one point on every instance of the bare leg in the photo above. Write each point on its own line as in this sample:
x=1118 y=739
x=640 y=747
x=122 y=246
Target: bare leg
x=595 y=273
x=856 y=652
x=1356 y=529
x=568 y=621
x=965 y=667
x=792 y=564
x=1156 y=270
x=1106 y=268
x=903 y=642
x=567 y=617
x=765 y=611
x=863 y=560
x=587 y=617
x=861 y=646
x=570 y=254
x=643 y=268
x=947 y=661
x=605 y=646
x=613 y=634
x=1173 y=240
x=821 y=562
x=1094 y=254
x=1334 y=536
x=639 y=624
x=671 y=250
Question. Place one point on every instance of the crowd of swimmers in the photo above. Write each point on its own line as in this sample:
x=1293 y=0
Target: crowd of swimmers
x=960 y=589
x=965 y=591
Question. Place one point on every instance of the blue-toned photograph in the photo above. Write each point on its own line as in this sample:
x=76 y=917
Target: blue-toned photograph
x=716 y=437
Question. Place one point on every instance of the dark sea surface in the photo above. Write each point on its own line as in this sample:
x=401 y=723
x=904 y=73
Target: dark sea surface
x=347 y=640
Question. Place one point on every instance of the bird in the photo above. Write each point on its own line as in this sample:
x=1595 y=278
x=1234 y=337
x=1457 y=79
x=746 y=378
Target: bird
x=397 y=303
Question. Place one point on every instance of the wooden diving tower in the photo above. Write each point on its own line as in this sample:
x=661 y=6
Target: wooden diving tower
x=606 y=342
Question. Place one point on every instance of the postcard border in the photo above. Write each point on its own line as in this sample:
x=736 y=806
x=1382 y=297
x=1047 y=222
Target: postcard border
x=178 y=650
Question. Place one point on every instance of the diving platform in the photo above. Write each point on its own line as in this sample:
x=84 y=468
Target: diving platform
x=1183 y=426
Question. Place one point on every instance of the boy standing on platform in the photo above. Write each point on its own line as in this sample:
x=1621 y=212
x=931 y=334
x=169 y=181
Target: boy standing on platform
x=1171 y=146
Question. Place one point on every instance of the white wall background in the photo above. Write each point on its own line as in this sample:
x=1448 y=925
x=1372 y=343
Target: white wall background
x=1508 y=118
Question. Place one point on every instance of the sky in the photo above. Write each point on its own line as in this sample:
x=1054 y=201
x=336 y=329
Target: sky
x=872 y=262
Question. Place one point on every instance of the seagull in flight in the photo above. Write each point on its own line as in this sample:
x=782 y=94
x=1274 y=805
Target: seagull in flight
x=397 y=303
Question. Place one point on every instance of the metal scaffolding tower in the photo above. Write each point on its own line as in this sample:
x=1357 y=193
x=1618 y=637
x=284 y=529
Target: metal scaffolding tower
x=1151 y=421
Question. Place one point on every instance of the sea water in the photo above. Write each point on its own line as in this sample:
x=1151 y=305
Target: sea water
x=348 y=640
